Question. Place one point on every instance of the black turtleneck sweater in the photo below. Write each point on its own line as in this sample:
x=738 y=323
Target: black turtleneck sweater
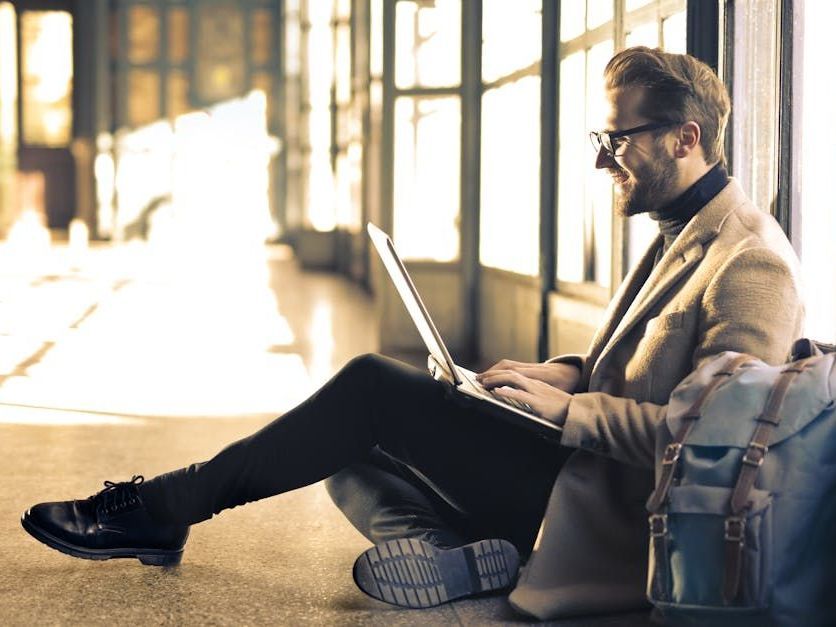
x=673 y=217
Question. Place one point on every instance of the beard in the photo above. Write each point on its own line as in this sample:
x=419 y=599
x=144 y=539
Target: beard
x=649 y=186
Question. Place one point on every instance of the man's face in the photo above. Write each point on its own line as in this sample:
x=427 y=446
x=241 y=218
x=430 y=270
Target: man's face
x=644 y=171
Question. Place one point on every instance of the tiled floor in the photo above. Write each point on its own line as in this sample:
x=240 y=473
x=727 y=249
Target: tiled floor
x=126 y=361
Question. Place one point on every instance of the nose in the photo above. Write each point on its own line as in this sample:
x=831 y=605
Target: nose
x=604 y=159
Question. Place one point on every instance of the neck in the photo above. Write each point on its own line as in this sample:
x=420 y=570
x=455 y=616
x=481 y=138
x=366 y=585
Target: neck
x=691 y=173
x=675 y=215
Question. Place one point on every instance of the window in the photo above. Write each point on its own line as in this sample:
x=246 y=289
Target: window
x=349 y=133
x=814 y=161
x=8 y=82
x=8 y=111
x=586 y=231
x=320 y=206
x=427 y=43
x=510 y=140
x=46 y=77
x=755 y=100
x=427 y=165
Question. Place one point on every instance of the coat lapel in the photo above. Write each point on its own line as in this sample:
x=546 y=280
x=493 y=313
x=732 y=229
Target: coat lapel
x=681 y=257
x=621 y=301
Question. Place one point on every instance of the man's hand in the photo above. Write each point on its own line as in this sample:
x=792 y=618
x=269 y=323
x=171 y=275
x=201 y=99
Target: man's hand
x=546 y=400
x=562 y=376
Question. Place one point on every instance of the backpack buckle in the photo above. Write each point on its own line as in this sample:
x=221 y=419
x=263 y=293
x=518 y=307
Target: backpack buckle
x=755 y=454
x=658 y=525
x=735 y=529
x=672 y=452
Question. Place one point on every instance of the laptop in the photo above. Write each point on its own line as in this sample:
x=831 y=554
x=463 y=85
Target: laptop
x=441 y=366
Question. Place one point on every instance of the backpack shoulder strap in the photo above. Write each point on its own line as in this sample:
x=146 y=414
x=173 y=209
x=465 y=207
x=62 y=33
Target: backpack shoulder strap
x=673 y=450
x=749 y=467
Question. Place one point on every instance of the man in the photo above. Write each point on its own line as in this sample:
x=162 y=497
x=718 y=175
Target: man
x=423 y=476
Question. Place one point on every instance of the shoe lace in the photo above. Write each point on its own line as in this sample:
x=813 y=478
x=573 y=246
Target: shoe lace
x=117 y=496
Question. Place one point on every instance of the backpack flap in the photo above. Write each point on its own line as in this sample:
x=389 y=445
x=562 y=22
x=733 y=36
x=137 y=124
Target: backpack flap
x=729 y=415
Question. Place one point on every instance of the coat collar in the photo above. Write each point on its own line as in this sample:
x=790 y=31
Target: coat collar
x=680 y=258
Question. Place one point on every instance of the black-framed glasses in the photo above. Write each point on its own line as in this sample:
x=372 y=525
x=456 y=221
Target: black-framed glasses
x=608 y=140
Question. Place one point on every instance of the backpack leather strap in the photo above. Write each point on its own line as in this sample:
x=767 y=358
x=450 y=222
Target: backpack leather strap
x=673 y=450
x=735 y=526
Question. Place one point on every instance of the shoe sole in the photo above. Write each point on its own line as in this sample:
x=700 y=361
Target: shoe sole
x=415 y=574
x=149 y=557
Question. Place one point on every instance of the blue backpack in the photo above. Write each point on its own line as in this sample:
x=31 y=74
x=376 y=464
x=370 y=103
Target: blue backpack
x=743 y=516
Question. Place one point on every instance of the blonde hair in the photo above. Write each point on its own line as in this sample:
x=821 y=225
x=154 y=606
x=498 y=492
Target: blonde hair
x=677 y=88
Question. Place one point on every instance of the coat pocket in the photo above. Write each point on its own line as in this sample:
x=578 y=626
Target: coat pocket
x=688 y=563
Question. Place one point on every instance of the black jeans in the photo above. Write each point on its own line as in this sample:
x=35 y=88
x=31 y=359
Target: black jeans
x=414 y=462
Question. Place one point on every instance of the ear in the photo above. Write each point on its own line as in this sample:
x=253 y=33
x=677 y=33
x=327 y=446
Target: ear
x=688 y=139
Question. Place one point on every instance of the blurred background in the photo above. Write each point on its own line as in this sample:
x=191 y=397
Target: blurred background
x=203 y=129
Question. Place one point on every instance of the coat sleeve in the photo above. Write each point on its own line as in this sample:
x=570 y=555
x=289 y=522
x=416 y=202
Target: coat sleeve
x=573 y=359
x=750 y=306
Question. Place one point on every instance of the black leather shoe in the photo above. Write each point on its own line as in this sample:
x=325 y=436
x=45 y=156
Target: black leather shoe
x=111 y=523
x=413 y=573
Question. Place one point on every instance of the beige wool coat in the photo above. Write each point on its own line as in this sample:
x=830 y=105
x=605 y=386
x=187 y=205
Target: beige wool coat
x=727 y=283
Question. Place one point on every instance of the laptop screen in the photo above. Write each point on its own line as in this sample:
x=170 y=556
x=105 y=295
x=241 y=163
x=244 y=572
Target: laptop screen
x=409 y=295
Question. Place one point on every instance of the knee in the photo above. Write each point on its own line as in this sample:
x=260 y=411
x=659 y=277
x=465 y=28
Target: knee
x=368 y=361
x=338 y=488
x=364 y=367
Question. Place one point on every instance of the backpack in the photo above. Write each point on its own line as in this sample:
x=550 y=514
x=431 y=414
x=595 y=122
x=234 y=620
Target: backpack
x=743 y=515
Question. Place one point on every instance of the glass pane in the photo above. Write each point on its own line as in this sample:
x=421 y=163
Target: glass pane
x=376 y=38
x=584 y=217
x=178 y=35
x=572 y=20
x=220 y=58
x=143 y=33
x=143 y=97
x=177 y=95
x=348 y=179
x=599 y=201
x=293 y=44
x=263 y=82
x=511 y=36
x=644 y=35
x=261 y=42
x=636 y=4
x=320 y=51
x=428 y=43
x=343 y=11
x=47 y=77
x=343 y=64
x=817 y=164
x=674 y=33
x=8 y=80
x=641 y=232
x=510 y=179
x=598 y=12
x=427 y=171
x=574 y=154
x=321 y=196
x=755 y=96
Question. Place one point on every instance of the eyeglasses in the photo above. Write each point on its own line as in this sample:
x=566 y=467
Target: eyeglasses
x=609 y=139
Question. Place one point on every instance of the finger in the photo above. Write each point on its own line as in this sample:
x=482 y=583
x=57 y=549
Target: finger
x=519 y=395
x=504 y=364
x=508 y=377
